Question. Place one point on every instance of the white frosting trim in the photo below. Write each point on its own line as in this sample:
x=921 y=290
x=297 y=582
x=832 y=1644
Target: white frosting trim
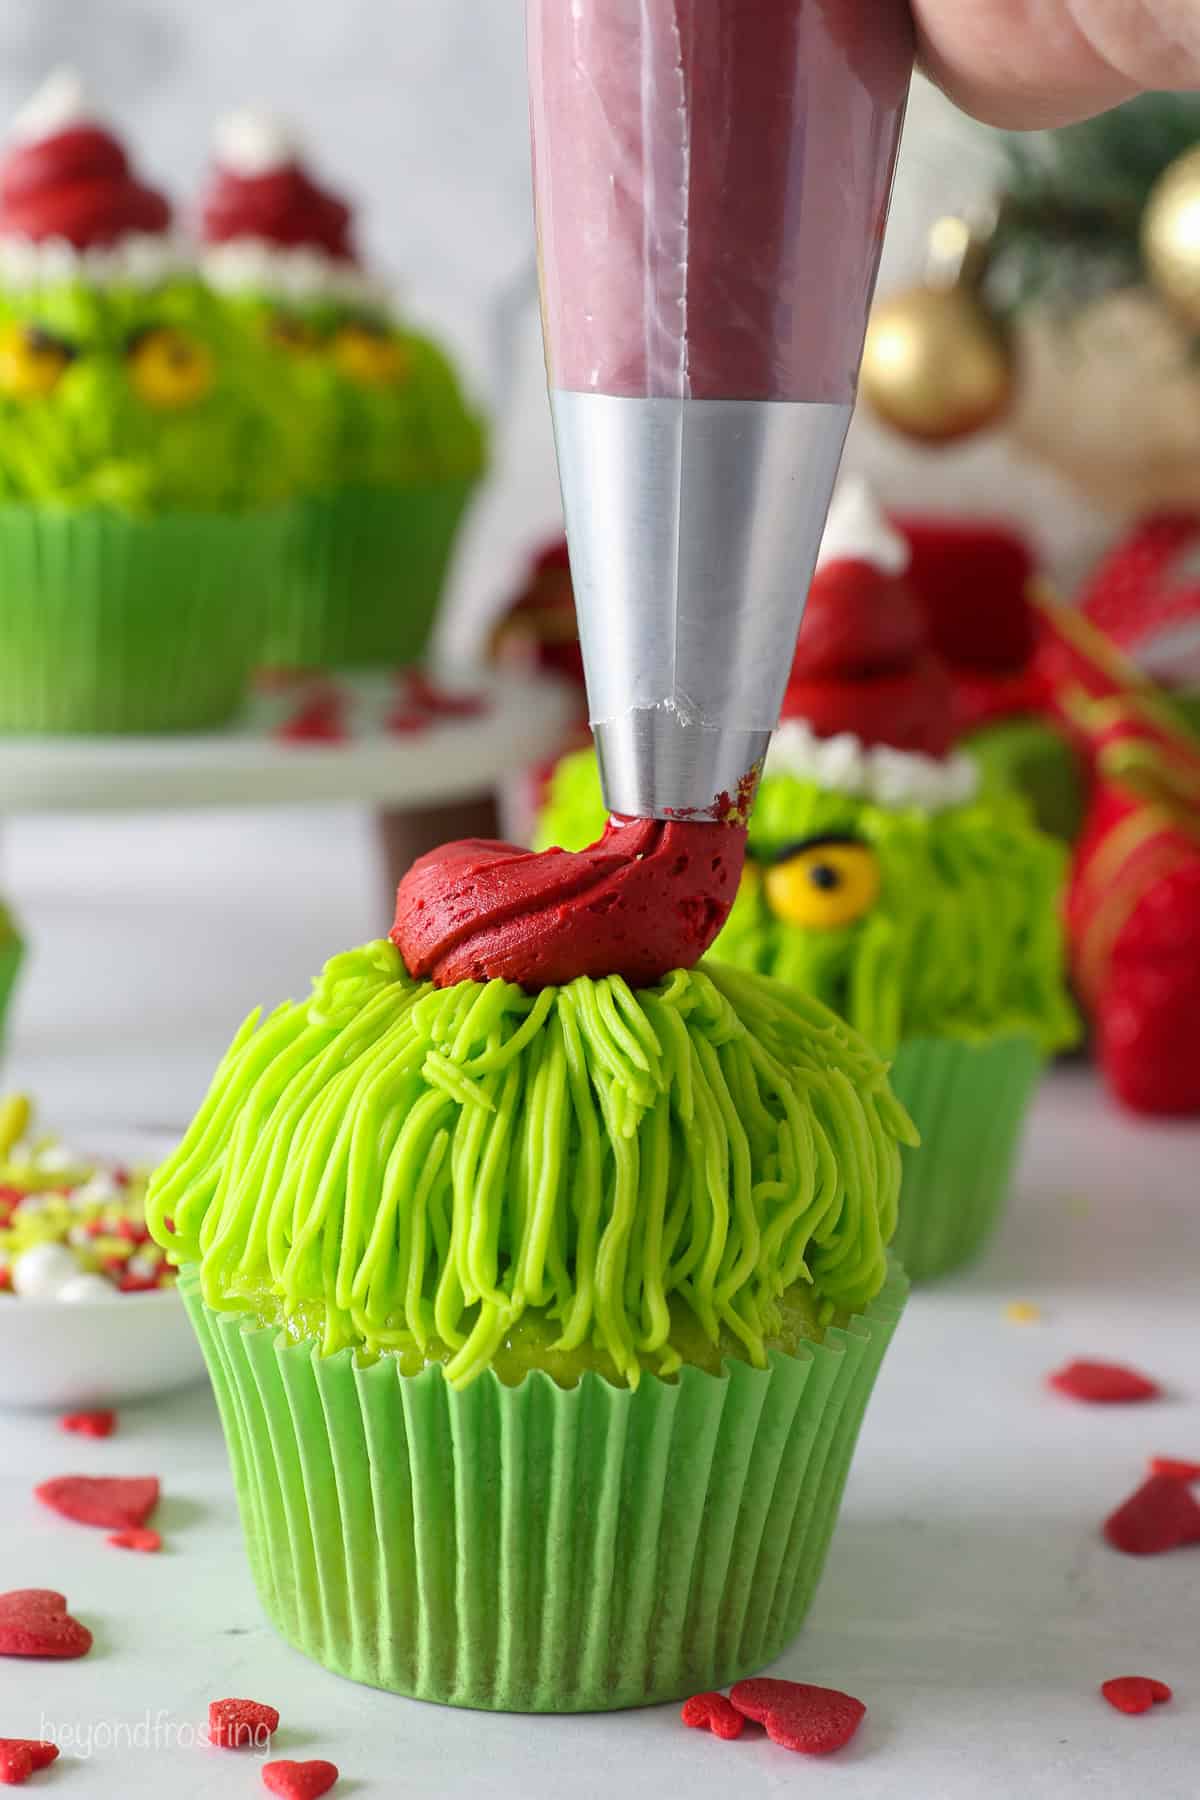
x=890 y=778
x=139 y=259
x=253 y=142
x=58 y=105
x=856 y=529
x=299 y=272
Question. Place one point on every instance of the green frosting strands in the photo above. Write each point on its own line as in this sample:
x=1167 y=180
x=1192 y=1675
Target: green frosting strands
x=416 y=1170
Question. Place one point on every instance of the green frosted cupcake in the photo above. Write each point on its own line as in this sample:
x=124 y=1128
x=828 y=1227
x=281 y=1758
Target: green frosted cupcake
x=395 y=452
x=12 y=952
x=541 y=1325
x=883 y=879
x=143 y=456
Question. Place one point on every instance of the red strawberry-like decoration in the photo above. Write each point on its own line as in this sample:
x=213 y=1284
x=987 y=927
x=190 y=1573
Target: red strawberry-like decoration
x=241 y=1724
x=649 y=897
x=19 y=1757
x=713 y=1712
x=1103 y=1384
x=1161 y=1515
x=35 y=1622
x=1176 y=1467
x=1135 y=1693
x=299 y=1780
x=114 y=1502
x=813 y=1720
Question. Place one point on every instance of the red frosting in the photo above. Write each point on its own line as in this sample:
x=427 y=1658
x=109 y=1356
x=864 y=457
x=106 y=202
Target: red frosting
x=649 y=897
x=863 y=663
x=284 y=207
x=76 y=185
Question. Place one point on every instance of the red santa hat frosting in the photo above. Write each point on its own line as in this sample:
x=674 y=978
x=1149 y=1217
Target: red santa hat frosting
x=70 y=204
x=267 y=224
x=869 y=706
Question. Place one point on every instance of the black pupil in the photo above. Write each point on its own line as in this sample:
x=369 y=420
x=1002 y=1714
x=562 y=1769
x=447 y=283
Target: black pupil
x=823 y=875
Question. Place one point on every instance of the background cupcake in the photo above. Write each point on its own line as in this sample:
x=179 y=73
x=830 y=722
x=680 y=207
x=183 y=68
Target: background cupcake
x=395 y=450
x=541 y=1323
x=140 y=452
x=882 y=880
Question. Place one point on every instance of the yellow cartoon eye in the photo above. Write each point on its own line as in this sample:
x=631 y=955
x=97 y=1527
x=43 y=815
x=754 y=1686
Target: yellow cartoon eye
x=372 y=357
x=823 y=883
x=292 y=334
x=169 y=369
x=32 y=361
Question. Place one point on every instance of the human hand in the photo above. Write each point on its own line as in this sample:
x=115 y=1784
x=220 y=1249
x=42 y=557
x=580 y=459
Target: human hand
x=1019 y=63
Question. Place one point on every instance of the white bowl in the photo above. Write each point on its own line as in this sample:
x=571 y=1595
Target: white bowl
x=98 y=1353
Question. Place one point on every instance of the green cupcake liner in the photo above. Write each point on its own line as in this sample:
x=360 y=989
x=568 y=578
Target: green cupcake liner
x=969 y=1103
x=112 y=623
x=535 y=1548
x=12 y=952
x=365 y=572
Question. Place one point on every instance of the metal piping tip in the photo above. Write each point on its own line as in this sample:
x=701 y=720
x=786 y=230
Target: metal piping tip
x=694 y=528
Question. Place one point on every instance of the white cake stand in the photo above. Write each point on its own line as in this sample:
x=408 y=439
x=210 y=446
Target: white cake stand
x=430 y=783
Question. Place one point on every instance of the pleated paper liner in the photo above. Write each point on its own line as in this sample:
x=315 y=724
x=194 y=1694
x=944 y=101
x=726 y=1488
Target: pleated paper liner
x=111 y=623
x=969 y=1102
x=534 y=1548
x=365 y=572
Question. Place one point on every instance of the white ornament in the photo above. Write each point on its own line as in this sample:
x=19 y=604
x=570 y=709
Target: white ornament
x=253 y=141
x=857 y=530
x=42 y=1271
x=894 y=779
x=58 y=105
x=85 y=1287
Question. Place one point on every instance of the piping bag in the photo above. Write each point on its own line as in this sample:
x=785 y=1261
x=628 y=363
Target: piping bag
x=711 y=181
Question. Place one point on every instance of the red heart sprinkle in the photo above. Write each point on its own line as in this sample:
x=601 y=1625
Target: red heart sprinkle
x=714 y=1713
x=138 y=1537
x=35 y=1622
x=90 y=1424
x=1175 y=1468
x=814 y=1720
x=19 y=1757
x=1103 y=1384
x=113 y=1501
x=1161 y=1515
x=241 y=1724
x=1135 y=1693
x=16 y=1764
x=299 y=1780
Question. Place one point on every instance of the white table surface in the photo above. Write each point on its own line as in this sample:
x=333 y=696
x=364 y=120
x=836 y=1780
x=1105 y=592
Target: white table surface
x=969 y=1599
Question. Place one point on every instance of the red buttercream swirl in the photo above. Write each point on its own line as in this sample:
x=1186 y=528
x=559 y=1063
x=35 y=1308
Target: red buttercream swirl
x=77 y=185
x=284 y=207
x=649 y=897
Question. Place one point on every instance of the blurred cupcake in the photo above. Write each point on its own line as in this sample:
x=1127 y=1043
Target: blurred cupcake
x=541 y=1323
x=395 y=450
x=882 y=880
x=141 y=457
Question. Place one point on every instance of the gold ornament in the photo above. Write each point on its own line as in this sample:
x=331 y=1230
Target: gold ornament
x=936 y=366
x=1171 y=235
